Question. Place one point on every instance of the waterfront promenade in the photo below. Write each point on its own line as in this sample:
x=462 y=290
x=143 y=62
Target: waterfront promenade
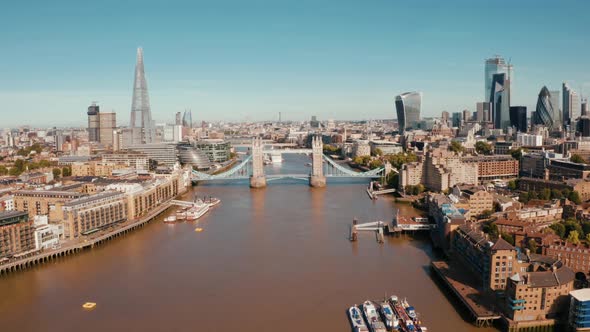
x=86 y=242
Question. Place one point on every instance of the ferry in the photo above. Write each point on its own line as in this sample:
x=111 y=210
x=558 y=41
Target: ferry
x=181 y=214
x=372 y=316
x=170 y=220
x=389 y=317
x=198 y=209
x=356 y=319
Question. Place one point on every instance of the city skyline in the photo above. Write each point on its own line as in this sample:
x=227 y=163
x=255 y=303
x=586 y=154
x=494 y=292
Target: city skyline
x=252 y=62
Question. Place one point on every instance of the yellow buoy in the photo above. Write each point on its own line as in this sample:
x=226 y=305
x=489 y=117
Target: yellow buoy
x=89 y=305
x=198 y=229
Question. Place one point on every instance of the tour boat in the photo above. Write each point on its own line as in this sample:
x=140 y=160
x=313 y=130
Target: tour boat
x=409 y=309
x=170 y=219
x=389 y=318
x=372 y=316
x=198 y=209
x=356 y=319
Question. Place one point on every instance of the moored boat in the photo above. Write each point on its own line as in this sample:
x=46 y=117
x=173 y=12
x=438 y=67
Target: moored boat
x=409 y=309
x=372 y=316
x=356 y=319
x=389 y=318
x=407 y=324
x=170 y=219
x=181 y=214
x=198 y=209
x=213 y=201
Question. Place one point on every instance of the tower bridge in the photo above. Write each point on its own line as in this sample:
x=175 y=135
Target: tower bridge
x=252 y=167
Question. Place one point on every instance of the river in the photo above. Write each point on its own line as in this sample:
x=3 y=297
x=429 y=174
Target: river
x=274 y=259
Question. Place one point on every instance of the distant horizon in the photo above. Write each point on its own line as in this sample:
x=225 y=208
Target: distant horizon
x=248 y=62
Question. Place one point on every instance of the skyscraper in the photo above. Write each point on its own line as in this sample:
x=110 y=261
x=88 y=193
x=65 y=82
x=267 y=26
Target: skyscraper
x=495 y=65
x=518 y=118
x=107 y=124
x=483 y=111
x=407 y=106
x=545 y=112
x=571 y=105
x=93 y=123
x=584 y=108
x=187 y=119
x=500 y=99
x=143 y=128
x=557 y=112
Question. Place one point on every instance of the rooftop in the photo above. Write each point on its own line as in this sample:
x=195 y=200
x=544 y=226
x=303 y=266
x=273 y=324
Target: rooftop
x=581 y=295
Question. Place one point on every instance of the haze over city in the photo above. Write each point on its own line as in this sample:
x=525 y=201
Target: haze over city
x=247 y=61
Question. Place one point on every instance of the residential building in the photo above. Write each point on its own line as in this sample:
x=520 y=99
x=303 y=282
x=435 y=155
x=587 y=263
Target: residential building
x=134 y=160
x=38 y=202
x=494 y=167
x=16 y=233
x=529 y=140
x=84 y=215
x=476 y=199
x=579 y=309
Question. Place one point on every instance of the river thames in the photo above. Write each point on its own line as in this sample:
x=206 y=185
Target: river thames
x=274 y=259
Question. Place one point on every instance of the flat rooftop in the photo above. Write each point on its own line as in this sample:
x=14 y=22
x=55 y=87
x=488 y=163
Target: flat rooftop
x=581 y=295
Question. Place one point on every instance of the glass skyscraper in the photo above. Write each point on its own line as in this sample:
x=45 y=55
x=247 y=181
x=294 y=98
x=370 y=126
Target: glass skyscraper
x=571 y=105
x=545 y=113
x=497 y=90
x=407 y=106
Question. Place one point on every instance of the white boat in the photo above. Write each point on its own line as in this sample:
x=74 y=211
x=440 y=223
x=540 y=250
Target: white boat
x=409 y=309
x=170 y=219
x=372 y=316
x=181 y=214
x=276 y=158
x=356 y=319
x=213 y=201
x=389 y=318
x=198 y=209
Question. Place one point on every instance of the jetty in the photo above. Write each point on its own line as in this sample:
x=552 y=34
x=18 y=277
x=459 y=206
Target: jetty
x=464 y=286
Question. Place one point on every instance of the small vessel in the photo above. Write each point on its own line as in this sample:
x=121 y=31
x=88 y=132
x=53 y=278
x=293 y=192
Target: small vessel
x=308 y=164
x=198 y=209
x=409 y=309
x=276 y=158
x=356 y=319
x=213 y=201
x=89 y=305
x=389 y=318
x=406 y=321
x=181 y=214
x=372 y=316
x=198 y=229
x=170 y=219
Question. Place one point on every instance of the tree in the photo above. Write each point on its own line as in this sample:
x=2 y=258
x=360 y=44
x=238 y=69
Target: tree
x=486 y=214
x=571 y=225
x=575 y=197
x=532 y=245
x=559 y=229
x=573 y=237
x=516 y=153
x=393 y=180
x=509 y=238
x=482 y=147
x=491 y=229
x=3 y=170
x=524 y=197
x=587 y=238
x=56 y=173
x=66 y=171
x=377 y=152
x=576 y=158
x=545 y=194
x=556 y=194
x=375 y=164
x=457 y=147
x=512 y=185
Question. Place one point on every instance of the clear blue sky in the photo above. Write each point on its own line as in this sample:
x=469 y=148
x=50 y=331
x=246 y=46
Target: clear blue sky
x=248 y=60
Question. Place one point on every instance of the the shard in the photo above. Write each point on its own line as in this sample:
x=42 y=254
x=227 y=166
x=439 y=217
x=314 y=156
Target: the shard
x=141 y=124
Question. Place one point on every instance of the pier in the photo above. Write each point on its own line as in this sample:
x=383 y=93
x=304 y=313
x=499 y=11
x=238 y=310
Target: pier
x=82 y=244
x=463 y=286
x=374 y=193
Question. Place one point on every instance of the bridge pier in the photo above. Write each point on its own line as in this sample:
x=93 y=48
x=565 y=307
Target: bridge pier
x=317 y=178
x=257 y=180
x=317 y=181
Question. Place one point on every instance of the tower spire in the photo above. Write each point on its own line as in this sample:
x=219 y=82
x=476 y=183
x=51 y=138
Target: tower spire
x=141 y=116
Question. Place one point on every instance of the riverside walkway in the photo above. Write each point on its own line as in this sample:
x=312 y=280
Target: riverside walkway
x=82 y=244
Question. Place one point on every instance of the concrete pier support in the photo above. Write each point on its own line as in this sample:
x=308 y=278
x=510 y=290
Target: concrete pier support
x=317 y=181
x=257 y=180
x=317 y=178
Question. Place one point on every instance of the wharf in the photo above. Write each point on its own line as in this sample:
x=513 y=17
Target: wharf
x=87 y=243
x=481 y=307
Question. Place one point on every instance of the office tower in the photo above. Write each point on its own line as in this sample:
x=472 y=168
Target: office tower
x=500 y=100
x=93 y=123
x=583 y=126
x=584 y=108
x=518 y=118
x=444 y=118
x=545 y=112
x=571 y=105
x=495 y=65
x=187 y=119
x=483 y=111
x=314 y=123
x=143 y=129
x=557 y=112
x=59 y=140
x=107 y=123
x=408 y=107
x=456 y=119
x=280 y=120
x=178 y=121
x=466 y=116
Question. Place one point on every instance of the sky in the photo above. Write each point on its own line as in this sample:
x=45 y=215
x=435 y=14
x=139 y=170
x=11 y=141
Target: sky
x=249 y=60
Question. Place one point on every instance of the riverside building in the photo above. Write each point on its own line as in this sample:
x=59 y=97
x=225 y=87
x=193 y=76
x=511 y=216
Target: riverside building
x=16 y=233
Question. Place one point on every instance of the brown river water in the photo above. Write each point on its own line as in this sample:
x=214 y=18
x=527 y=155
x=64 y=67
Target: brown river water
x=275 y=259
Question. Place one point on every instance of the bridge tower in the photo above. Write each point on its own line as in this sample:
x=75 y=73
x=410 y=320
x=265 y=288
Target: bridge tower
x=257 y=180
x=317 y=178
